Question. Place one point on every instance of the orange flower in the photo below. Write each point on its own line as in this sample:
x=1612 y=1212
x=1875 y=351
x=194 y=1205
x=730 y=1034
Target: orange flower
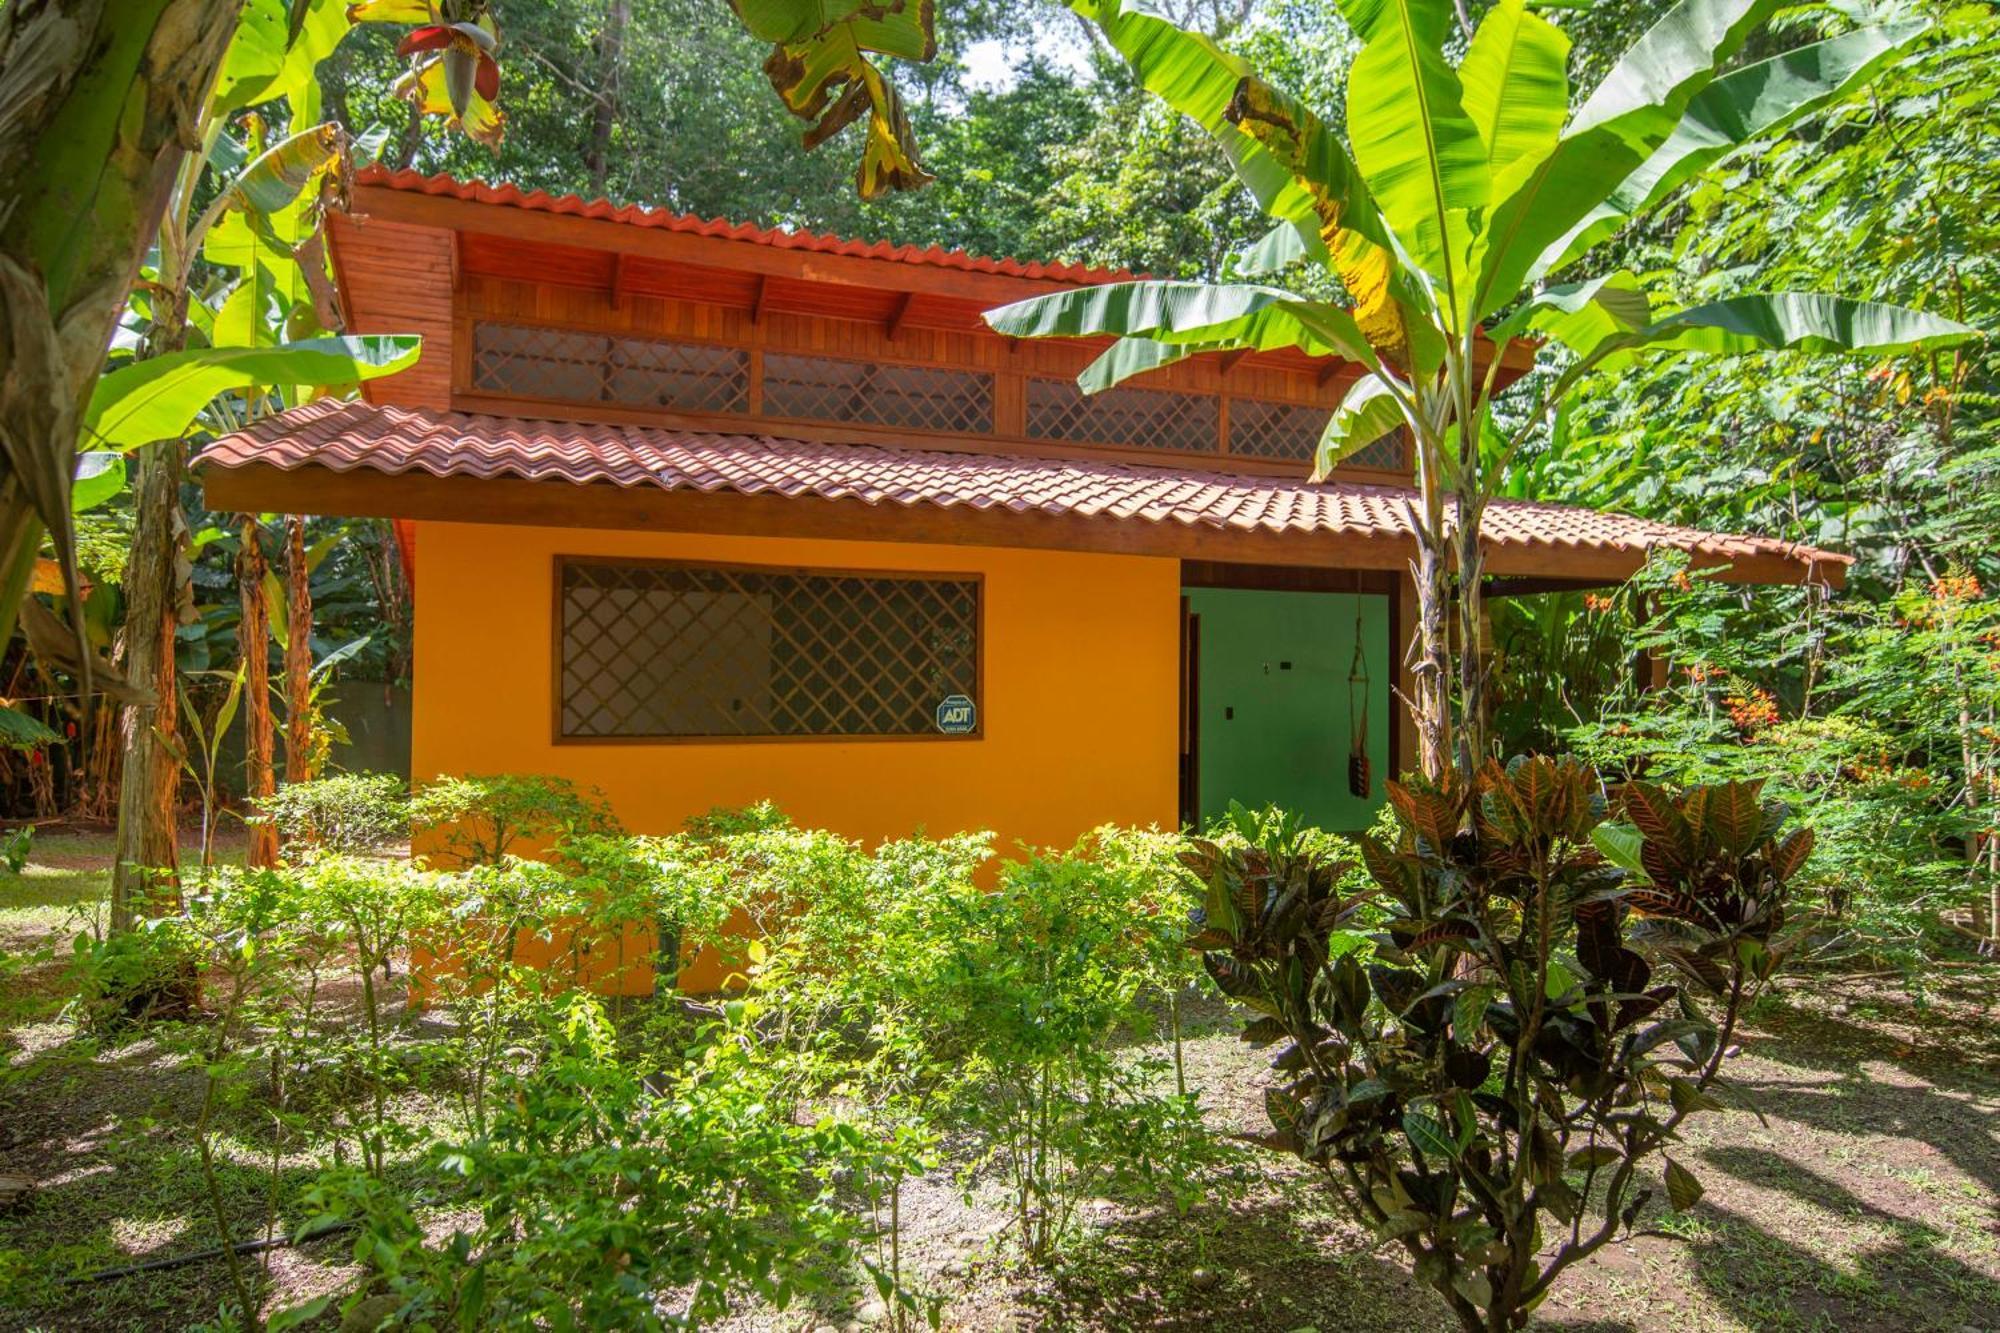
x=1701 y=673
x=1597 y=605
x=1752 y=711
x=1956 y=588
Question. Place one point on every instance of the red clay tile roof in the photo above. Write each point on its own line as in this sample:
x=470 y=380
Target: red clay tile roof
x=639 y=216
x=353 y=436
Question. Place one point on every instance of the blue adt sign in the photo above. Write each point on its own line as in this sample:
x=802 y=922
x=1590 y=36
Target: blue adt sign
x=956 y=715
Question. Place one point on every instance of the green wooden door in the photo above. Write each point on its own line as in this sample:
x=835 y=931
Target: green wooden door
x=1273 y=718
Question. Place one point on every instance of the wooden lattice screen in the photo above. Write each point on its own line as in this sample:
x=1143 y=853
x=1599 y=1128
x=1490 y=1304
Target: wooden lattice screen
x=1262 y=429
x=664 y=650
x=567 y=365
x=599 y=368
x=1138 y=418
x=824 y=388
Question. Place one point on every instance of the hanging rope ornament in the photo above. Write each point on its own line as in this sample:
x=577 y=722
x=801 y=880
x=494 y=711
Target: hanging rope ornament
x=1359 y=777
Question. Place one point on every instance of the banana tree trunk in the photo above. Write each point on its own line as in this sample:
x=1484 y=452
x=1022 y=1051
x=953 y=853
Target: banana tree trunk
x=1472 y=658
x=298 y=654
x=98 y=102
x=253 y=639
x=149 y=781
x=1431 y=679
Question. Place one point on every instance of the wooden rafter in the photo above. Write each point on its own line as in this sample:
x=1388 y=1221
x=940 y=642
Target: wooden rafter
x=894 y=324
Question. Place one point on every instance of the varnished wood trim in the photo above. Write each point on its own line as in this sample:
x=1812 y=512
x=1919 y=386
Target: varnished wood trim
x=1284 y=578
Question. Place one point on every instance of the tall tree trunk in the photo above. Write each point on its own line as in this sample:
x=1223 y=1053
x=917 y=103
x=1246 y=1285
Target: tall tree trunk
x=253 y=638
x=149 y=783
x=298 y=654
x=610 y=52
x=99 y=101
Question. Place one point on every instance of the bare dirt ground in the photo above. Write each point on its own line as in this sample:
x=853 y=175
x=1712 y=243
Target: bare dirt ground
x=1861 y=1193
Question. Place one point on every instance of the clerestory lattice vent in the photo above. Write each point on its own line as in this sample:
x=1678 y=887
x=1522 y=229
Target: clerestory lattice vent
x=821 y=388
x=650 y=649
x=533 y=362
x=1141 y=418
x=1262 y=429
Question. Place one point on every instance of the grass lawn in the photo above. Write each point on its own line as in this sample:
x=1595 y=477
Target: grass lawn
x=1865 y=1196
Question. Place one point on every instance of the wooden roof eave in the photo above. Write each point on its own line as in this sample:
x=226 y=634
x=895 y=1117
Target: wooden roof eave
x=416 y=208
x=366 y=492
x=609 y=236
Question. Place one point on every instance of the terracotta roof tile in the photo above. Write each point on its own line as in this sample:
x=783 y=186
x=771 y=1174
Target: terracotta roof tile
x=396 y=440
x=637 y=215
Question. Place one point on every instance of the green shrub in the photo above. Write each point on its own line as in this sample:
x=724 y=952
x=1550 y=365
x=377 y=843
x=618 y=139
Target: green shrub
x=478 y=819
x=344 y=815
x=608 y=1196
x=150 y=972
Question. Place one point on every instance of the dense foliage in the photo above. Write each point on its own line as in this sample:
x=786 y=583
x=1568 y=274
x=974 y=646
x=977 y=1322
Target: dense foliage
x=490 y=1131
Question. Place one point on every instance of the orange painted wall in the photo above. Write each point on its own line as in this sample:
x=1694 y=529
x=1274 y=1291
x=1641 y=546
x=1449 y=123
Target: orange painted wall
x=1080 y=707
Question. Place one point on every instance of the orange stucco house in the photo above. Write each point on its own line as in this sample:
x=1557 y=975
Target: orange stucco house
x=701 y=514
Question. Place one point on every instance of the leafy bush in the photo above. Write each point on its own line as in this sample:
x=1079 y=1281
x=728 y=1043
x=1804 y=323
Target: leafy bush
x=1539 y=1015
x=135 y=976
x=15 y=847
x=1869 y=722
x=1038 y=975
x=604 y=1173
x=479 y=819
x=344 y=815
x=603 y=1192
x=961 y=1008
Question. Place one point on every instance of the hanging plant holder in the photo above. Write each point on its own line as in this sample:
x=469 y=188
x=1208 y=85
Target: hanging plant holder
x=1360 y=775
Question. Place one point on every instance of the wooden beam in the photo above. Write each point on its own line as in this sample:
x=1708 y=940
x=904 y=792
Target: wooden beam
x=366 y=492
x=1228 y=361
x=761 y=302
x=894 y=324
x=618 y=280
x=457 y=264
x=1529 y=587
x=1332 y=369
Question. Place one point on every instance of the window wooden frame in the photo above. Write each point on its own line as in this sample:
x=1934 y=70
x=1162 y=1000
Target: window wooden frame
x=563 y=561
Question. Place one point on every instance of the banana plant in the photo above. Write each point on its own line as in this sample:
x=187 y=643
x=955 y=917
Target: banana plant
x=819 y=66
x=1458 y=192
x=203 y=762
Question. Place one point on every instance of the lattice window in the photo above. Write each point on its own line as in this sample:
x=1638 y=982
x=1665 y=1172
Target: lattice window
x=821 y=388
x=1391 y=453
x=1145 y=418
x=1261 y=429
x=600 y=368
x=669 y=650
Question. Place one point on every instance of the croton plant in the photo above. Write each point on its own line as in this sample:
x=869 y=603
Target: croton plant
x=1483 y=1049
